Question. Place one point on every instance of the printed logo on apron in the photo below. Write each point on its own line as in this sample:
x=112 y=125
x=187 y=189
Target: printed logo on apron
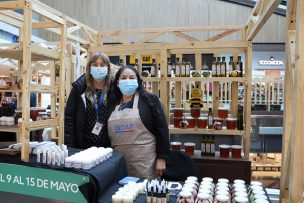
x=124 y=128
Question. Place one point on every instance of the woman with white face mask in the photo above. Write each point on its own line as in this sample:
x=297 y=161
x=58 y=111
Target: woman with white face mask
x=86 y=108
x=137 y=125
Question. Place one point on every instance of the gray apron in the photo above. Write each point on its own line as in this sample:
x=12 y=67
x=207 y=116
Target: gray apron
x=129 y=136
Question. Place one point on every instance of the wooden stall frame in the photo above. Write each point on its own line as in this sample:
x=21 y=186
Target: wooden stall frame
x=26 y=52
x=192 y=45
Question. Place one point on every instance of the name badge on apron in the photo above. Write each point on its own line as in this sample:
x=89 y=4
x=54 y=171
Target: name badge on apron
x=97 y=128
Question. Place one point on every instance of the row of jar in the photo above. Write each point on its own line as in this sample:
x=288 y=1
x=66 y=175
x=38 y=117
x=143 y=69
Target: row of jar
x=204 y=123
x=196 y=112
x=222 y=192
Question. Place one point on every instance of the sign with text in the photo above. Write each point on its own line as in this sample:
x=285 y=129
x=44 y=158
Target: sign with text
x=40 y=182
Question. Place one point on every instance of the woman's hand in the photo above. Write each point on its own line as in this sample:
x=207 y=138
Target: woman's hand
x=160 y=167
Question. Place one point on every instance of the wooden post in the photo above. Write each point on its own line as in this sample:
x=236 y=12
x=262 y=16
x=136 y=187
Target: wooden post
x=53 y=98
x=164 y=84
x=68 y=70
x=155 y=84
x=247 y=100
x=63 y=39
x=215 y=95
x=27 y=36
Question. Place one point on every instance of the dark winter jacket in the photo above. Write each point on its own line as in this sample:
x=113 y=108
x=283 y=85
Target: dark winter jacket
x=75 y=117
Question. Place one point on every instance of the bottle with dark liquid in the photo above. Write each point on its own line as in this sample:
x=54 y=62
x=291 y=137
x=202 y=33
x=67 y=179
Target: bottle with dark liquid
x=210 y=119
x=223 y=67
x=208 y=146
x=212 y=146
x=239 y=67
x=218 y=67
x=169 y=67
x=231 y=66
x=240 y=124
x=214 y=67
x=177 y=68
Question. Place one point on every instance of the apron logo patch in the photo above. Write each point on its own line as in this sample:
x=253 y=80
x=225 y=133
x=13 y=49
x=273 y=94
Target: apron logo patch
x=126 y=128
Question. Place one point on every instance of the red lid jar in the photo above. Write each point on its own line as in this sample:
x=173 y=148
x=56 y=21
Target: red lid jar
x=189 y=148
x=202 y=122
x=223 y=112
x=177 y=122
x=231 y=123
x=224 y=151
x=236 y=151
x=178 y=112
x=195 y=112
x=191 y=122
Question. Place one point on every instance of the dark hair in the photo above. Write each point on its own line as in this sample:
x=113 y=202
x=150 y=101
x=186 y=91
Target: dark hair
x=141 y=90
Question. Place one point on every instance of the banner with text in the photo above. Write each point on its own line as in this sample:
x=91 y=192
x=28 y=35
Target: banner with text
x=40 y=182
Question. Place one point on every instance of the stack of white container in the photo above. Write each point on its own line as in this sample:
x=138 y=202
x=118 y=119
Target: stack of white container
x=88 y=158
x=128 y=193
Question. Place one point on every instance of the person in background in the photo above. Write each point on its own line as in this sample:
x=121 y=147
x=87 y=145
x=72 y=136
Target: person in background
x=137 y=125
x=86 y=108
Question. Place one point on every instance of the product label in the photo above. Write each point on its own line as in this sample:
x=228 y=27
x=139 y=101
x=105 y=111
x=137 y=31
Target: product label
x=218 y=70
x=213 y=69
x=208 y=148
x=229 y=68
x=212 y=148
x=187 y=70
x=152 y=70
x=203 y=147
x=238 y=67
x=177 y=71
x=183 y=71
x=169 y=69
x=210 y=120
x=223 y=70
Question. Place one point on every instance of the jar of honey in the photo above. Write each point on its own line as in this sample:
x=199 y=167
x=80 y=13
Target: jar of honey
x=178 y=112
x=195 y=112
x=224 y=151
x=236 y=151
x=177 y=122
x=223 y=112
x=202 y=122
x=34 y=112
x=189 y=148
x=176 y=146
x=191 y=122
x=231 y=123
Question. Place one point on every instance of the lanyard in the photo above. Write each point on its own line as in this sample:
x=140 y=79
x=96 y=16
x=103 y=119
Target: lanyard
x=100 y=103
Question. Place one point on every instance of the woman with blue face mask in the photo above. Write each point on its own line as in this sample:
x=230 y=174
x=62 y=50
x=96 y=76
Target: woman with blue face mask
x=137 y=125
x=86 y=108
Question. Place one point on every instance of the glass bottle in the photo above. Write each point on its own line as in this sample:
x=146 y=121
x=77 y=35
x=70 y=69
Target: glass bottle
x=183 y=68
x=214 y=67
x=218 y=67
x=203 y=146
x=153 y=68
x=239 y=66
x=210 y=119
x=231 y=66
x=177 y=68
x=212 y=146
x=208 y=146
x=169 y=67
x=188 y=68
x=223 y=67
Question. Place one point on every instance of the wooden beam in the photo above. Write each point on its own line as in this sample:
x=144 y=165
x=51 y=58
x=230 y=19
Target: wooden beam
x=63 y=40
x=176 y=45
x=45 y=52
x=116 y=39
x=254 y=28
x=73 y=29
x=26 y=43
x=223 y=34
x=173 y=29
x=43 y=88
x=150 y=37
x=44 y=12
x=40 y=25
x=11 y=5
x=89 y=35
x=36 y=125
x=9 y=20
x=184 y=36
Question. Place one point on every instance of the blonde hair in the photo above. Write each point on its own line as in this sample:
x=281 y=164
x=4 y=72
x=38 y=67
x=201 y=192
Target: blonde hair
x=90 y=90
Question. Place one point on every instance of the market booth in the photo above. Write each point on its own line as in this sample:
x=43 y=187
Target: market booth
x=66 y=180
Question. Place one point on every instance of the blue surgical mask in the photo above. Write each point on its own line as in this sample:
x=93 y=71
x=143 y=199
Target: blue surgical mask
x=99 y=73
x=128 y=87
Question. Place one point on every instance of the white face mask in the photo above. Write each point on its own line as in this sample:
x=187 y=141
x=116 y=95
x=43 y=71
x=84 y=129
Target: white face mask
x=99 y=73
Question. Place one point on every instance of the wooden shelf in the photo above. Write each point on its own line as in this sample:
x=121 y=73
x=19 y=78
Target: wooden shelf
x=14 y=88
x=13 y=128
x=151 y=79
x=38 y=53
x=200 y=131
x=207 y=79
